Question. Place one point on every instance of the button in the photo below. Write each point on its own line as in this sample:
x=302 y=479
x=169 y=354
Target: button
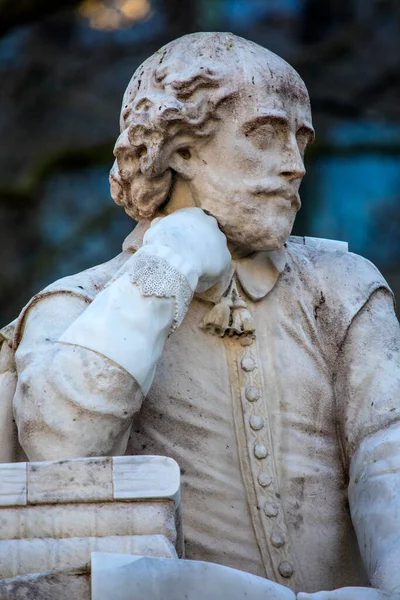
x=285 y=569
x=277 y=539
x=246 y=341
x=264 y=479
x=271 y=510
x=248 y=364
x=252 y=393
x=260 y=451
x=256 y=422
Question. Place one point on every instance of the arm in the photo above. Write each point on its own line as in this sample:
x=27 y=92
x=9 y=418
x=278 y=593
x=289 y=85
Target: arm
x=67 y=396
x=84 y=370
x=367 y=389
x=368 y=396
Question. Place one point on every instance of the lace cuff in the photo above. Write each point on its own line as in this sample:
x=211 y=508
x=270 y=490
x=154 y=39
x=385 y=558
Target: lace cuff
x=156 y=277
x=159 y=271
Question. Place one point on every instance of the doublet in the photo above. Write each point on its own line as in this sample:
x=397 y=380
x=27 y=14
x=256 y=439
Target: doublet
x=264 y=426
x=255 y=427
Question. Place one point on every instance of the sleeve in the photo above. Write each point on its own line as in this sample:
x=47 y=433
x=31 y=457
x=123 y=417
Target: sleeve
x=8 y=382
x=367 y=389
x=83 y=370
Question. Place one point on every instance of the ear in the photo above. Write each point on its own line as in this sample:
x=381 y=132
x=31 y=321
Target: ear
x=182 y=162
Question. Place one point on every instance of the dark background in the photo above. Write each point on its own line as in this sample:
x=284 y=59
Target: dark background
x=64 y=65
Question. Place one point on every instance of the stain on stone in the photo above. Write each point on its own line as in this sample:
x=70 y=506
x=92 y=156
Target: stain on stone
x=318 y=306
x=162 y=57
x=294 y=516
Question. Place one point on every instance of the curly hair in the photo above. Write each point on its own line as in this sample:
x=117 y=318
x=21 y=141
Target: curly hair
x=172 y=98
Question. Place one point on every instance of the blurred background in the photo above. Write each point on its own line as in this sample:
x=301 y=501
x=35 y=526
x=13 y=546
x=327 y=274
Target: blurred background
x=64 y=66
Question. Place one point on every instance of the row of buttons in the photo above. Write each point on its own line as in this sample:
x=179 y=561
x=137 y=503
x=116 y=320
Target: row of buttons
x=252 y=394
x=256 y=422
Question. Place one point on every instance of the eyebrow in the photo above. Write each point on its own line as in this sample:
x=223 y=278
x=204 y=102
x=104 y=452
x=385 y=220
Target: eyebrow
x=279 y=117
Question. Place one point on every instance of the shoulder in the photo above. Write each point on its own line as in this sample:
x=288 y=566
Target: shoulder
x=89 y=282
x=82 y=286
x=338 y=285
x=341 y=271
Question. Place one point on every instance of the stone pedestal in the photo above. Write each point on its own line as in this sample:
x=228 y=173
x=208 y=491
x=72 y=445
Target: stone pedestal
x=54 y=514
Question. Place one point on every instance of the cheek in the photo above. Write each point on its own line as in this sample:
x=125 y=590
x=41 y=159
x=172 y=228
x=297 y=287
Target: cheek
x=245 y=161
x=260 y=167
x=241 y=159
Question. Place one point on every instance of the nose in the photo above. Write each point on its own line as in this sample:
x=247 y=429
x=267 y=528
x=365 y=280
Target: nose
x=122 y=144
x=292 y=165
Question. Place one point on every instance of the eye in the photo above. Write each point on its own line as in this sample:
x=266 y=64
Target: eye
x=263 y=134
x=184 y=153
x=304 y=138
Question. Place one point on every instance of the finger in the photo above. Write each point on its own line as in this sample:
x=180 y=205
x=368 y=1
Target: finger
x=342 y=594
x=156 y=220
x=316 y=596
x=348 y=593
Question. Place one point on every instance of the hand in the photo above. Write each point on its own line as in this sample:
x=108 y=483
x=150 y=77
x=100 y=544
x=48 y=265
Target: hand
x=351 y=593
x=197 y=238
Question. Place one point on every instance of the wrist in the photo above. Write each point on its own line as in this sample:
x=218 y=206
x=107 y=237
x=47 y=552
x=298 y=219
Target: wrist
x=184 y=266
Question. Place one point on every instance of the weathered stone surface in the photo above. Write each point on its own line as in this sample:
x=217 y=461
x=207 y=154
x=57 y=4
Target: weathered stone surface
x=71 y=512
x=88 y=519
x=213 y=134
x=13 y=484
x=137 y=477
x=21 y=557
x=87 y=480
x=51 y=585
x=128 y=577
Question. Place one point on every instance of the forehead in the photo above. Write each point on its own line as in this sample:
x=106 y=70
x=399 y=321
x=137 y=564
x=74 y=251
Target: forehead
x=273 y=87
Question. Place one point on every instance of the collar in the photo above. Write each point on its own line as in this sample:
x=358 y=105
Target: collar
x=257 y=273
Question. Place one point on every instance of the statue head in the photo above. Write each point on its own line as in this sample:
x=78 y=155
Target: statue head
x=228 y=120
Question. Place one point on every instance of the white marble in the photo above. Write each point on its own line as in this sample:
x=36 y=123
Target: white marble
x=137 y=477
x=48 y=585
x=97 y=519
x=13 y=484
x=320 y=243
x=125 y=577
x=66 y=509
x=273 y=387
x=79 y=480
x=152 y=309
x=20 y=557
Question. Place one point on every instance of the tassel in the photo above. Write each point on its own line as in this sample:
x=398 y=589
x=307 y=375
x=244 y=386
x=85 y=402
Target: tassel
x=230 y=316
x=216 y=321
x=242 y=322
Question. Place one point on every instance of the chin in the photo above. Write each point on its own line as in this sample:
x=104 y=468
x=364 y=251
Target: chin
x=258 y=234
x=270 y=243
x=264 y=240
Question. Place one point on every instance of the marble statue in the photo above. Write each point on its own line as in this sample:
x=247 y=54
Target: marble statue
x=267 y=366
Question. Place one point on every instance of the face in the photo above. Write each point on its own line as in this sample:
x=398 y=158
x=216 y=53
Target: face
x=248 y=175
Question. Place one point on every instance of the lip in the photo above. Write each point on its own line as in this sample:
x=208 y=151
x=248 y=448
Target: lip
x=290 y=195
x=284 y=192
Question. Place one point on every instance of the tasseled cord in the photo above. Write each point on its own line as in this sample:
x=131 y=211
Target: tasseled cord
x=230 y=316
